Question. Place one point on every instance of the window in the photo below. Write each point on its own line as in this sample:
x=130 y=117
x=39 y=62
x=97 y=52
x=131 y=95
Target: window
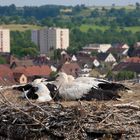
x=23 y=79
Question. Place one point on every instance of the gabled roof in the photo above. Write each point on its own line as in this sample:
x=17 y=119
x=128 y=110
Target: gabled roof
x=118 y=45
x=85 y=59
x=137 y=45
x=43 y=70
x=102 y=56
x=116 y=50
x=73 y=58
x=70 y=68
x=17 y=75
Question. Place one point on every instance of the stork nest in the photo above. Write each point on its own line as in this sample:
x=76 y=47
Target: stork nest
x=83 y=121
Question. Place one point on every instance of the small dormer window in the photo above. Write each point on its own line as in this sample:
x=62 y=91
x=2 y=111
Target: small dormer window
x=23 y=79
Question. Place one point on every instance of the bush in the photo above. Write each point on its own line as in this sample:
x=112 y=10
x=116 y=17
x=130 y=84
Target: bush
x=125 y=75
x=2 y=60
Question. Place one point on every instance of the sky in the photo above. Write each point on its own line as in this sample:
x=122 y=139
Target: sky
x=67 y=2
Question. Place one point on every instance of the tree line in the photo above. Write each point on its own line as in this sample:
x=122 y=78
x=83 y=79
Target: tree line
x=51 y=15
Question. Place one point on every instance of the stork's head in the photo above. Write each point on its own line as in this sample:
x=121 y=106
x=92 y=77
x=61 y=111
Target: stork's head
x=70 y=78
x=62 y=77
x=37 y=81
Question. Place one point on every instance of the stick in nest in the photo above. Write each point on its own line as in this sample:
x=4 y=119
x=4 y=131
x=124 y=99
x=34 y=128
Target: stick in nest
x=34 y=104
x=128 y=105
x=9 y=104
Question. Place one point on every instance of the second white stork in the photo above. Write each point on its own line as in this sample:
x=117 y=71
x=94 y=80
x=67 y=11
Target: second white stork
x=82 y=89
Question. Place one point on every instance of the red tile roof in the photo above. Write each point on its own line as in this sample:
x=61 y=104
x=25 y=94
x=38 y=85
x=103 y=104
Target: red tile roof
x=5 y=70
x=133 y=60
x=6 y=75
x=34 y=70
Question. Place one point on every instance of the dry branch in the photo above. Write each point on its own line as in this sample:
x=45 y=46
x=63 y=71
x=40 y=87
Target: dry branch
x=81 y=122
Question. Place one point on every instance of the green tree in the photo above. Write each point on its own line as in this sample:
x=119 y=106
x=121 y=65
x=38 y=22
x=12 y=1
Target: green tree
x=125 y=75
x=2 y=60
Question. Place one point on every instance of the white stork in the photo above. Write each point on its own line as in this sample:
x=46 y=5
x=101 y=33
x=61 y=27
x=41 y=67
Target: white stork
x=66 y=87
x=83 y=88
x=37 y=90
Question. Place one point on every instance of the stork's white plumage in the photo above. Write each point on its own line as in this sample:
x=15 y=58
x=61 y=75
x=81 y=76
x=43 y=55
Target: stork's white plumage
x=66 y=87
x=39 y=92
x=74 y=90
x=91 y=80
x=87 y=88
x=43 y=93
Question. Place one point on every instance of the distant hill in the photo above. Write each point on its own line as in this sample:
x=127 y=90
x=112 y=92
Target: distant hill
x=20 y=27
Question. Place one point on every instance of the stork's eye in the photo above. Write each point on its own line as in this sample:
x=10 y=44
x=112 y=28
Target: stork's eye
x=55 y=88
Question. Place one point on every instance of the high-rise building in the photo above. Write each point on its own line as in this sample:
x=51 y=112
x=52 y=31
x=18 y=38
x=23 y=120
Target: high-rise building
x=50 y=39
x=35 y=37
x=4 y=40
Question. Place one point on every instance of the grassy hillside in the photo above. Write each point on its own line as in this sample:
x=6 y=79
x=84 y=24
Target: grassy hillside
x=20 y=27
x=86 y=27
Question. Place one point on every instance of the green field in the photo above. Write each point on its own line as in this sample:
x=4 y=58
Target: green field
x=133 y=28
x=85 y=28
x=20 y=27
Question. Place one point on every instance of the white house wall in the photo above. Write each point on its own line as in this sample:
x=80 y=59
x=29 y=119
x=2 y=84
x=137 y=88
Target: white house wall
x=96 y=63
x=104 y=47
x=110 y=58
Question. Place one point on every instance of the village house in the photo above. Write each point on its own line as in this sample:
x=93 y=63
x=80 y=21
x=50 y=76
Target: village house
x=136 y=49
x=96 y=48
x=20 y=78
x=120 y=45
x=106 y=57
x=86 y=59
x=137 y=45
x=71 y=68
x=65 y=57
x=119 y=50
x=26 y=74
x=85 y=72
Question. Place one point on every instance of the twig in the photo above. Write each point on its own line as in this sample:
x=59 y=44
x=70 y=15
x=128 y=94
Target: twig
x=35 y=104
x=105 y=119
x=130 y=106
x=16 y=108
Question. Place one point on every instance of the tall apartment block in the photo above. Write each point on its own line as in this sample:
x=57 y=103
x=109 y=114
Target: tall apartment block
x=4 y=40
x=50 y=39
x=35 y=37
